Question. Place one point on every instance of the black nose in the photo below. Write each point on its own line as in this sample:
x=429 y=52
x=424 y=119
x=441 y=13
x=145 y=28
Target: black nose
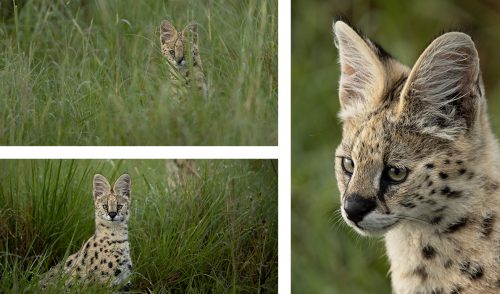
x=356 y=207
x=180 y=60
x=112 y=214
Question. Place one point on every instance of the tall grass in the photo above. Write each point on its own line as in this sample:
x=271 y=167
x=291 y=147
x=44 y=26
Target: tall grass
x=216 y=234
x=327 y=256
x=92 y=73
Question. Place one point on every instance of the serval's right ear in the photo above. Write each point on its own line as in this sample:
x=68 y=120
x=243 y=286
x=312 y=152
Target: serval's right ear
x=362 y=77
x=101 y=186
x=168 y=32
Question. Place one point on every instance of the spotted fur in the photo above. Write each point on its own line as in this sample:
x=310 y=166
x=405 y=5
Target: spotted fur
x=105 y=257
x=183 y=55
x=441 y=222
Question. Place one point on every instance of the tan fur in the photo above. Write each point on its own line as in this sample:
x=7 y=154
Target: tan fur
x=180 y=171
x=442 y=224
x=105 y=257
x=178 y=47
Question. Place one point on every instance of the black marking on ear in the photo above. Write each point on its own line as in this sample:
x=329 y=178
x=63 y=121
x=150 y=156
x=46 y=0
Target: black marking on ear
x=428 y=252
x=459 y=224
x=487 y=225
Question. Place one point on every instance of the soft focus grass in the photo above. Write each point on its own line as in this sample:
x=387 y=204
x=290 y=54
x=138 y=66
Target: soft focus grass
x=217 y=234
x=327 y=257
x=90 y=72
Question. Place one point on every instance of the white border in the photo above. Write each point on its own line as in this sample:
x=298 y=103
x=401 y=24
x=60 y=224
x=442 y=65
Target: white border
x=284 y=141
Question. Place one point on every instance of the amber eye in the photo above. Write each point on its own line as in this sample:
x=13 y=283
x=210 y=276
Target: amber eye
x=348 y=165
x=119 y=207
x=105 y=206
x=396 y=174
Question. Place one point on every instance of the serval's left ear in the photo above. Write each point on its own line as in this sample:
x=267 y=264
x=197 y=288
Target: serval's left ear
x=168 y=33
x=192 y=28
x=122 y=185
x=444 y=91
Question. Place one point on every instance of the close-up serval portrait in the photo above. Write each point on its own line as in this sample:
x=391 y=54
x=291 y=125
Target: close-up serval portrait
x=105 y=257
x=181 y=49
x=418 y=162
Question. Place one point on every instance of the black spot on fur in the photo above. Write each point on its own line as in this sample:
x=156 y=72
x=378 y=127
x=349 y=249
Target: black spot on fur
x=100 y=241
x=87 y=246
x=429 y=165
x=447 y=161
x=459 y=224
x=117 y=272
x=443 y=175
x=407 y=204
x=436 y=220
x=112 y=234
x=471 y=175
x=448 y=263
x=69 y=262
x=95 y=244
x=473 y=270
x=78 y=269
x=459 y=161
x=110 y=264
x=430 y=183
x=421 y=272
x=95 y=267
x=446 y=191
x=462 y=171
x=456 y=290
x=428 y=252
x=497 y=283
x=104 y=273
x=487 y=225
x=129 y=266
x=96 y=255
x=432 y=192
x=103 y=261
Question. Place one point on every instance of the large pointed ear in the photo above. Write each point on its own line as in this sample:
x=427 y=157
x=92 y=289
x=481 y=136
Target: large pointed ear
x=101 y=186
x=122 y=185
x=168 y=32
x=443 y=92
x=192 y=28
x=362 y=78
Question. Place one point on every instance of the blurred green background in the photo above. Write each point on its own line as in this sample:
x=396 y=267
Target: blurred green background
x=327 y=257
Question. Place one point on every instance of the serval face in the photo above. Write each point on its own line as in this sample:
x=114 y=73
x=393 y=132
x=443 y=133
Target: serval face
x=112 y=204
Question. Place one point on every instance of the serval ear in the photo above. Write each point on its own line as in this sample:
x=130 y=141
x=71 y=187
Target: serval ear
x=122 y=186
x=191 y=27
x=362 y=78
x=168 y=32
x=443 y=93
x=101 y=186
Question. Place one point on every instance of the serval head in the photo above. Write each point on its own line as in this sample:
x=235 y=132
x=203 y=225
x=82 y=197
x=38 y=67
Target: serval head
x=415 y=140
x=112 y=204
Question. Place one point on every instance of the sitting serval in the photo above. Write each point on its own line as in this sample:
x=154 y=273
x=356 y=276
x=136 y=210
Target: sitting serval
x=105 y=257
x=419 y=164
x=183 y=54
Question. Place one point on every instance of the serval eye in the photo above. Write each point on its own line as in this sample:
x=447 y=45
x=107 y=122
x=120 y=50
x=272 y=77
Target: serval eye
x=396 y=174
x=348 y=165
x=172 y=52
x=105 y=206
x=119 y=207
